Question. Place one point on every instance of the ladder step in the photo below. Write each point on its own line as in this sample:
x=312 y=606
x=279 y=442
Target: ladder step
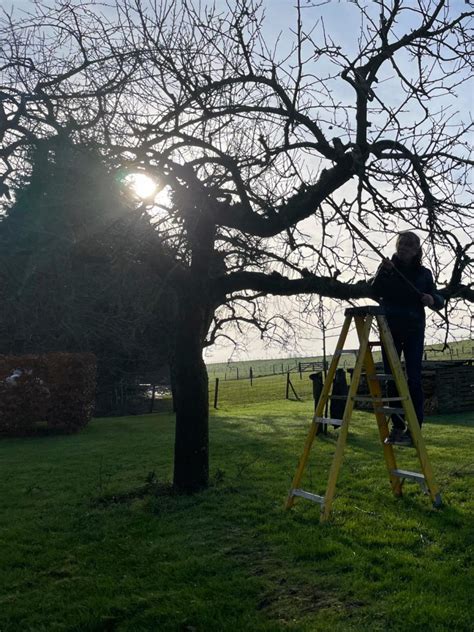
x=337 y=397
x=324 y=421
x=308 y=495
x=389 y=410
x=381 y=376
x=412 y=476
x=343 y=351
x=374 y=343
x=359 y=398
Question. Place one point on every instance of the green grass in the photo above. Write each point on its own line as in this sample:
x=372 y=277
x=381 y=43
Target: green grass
x=91 y=540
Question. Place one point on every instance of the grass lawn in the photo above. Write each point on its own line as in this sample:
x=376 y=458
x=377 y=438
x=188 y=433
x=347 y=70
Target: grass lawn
x=92 y=539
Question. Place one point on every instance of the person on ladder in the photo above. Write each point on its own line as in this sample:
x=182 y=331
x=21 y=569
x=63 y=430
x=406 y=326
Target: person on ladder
x=404 y=297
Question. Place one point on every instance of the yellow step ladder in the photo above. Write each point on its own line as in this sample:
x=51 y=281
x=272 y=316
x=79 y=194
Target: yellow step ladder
x=364 y=318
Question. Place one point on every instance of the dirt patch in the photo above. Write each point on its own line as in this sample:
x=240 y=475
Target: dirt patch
x=288 y=601
x=151 y=489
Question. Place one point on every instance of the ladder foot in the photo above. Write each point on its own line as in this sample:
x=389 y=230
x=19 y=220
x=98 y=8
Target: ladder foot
x=437 y=502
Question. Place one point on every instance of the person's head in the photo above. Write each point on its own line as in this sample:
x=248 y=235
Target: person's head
x=408 y=247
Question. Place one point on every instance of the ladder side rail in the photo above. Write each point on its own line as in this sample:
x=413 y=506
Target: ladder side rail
x=363 y=329
x=318 y=412
x=376 y=394
x=410 y=414
x=320 y=406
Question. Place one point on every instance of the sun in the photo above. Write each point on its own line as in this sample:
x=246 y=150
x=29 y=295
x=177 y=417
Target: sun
x=142 y=185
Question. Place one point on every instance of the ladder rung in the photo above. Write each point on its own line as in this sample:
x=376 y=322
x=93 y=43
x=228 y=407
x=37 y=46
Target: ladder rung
x=326 y=420
x=342 y=351
x=360 y=398
x=308 y=495
x=337 y=396
x=389 y=409
x=415 y=476
x=381 y=376
x=374 y=343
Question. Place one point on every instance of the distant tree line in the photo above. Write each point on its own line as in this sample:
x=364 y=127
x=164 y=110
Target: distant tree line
x=80 y=270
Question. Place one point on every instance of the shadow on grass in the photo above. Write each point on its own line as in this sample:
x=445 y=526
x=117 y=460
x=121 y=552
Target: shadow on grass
x=229 y=557
x=465 y=419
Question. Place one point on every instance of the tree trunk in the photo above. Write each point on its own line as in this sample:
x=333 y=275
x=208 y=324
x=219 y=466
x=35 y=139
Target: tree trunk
x=191 y=456
x=196 y=306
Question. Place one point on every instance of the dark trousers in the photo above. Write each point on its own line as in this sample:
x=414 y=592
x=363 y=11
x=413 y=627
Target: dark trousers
x=411 y=342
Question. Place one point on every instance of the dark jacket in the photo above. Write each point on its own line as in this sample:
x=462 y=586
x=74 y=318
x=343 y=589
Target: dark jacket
x=401 y=302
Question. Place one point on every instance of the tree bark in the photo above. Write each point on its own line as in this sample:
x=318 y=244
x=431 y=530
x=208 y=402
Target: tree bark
x=191 y=457
x=195 y=310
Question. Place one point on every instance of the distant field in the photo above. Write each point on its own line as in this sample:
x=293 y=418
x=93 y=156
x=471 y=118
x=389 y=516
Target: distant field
x=461 y=350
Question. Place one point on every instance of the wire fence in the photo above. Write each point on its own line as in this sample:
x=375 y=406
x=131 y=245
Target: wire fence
x=248 y=370
x=250 y=383
x=290 y=385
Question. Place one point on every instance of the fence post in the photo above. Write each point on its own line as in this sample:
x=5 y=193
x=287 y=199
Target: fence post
x=299 y=369
x=251 y=376
x=297 y=397
x=237 y=372
x=287 y=396
x=216 y=392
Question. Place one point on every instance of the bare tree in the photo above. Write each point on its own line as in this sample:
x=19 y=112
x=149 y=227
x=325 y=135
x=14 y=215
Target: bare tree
x=276 y=157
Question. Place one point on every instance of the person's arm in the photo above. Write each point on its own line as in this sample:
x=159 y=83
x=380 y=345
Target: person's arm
x=382 y=278
x=430 y=297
